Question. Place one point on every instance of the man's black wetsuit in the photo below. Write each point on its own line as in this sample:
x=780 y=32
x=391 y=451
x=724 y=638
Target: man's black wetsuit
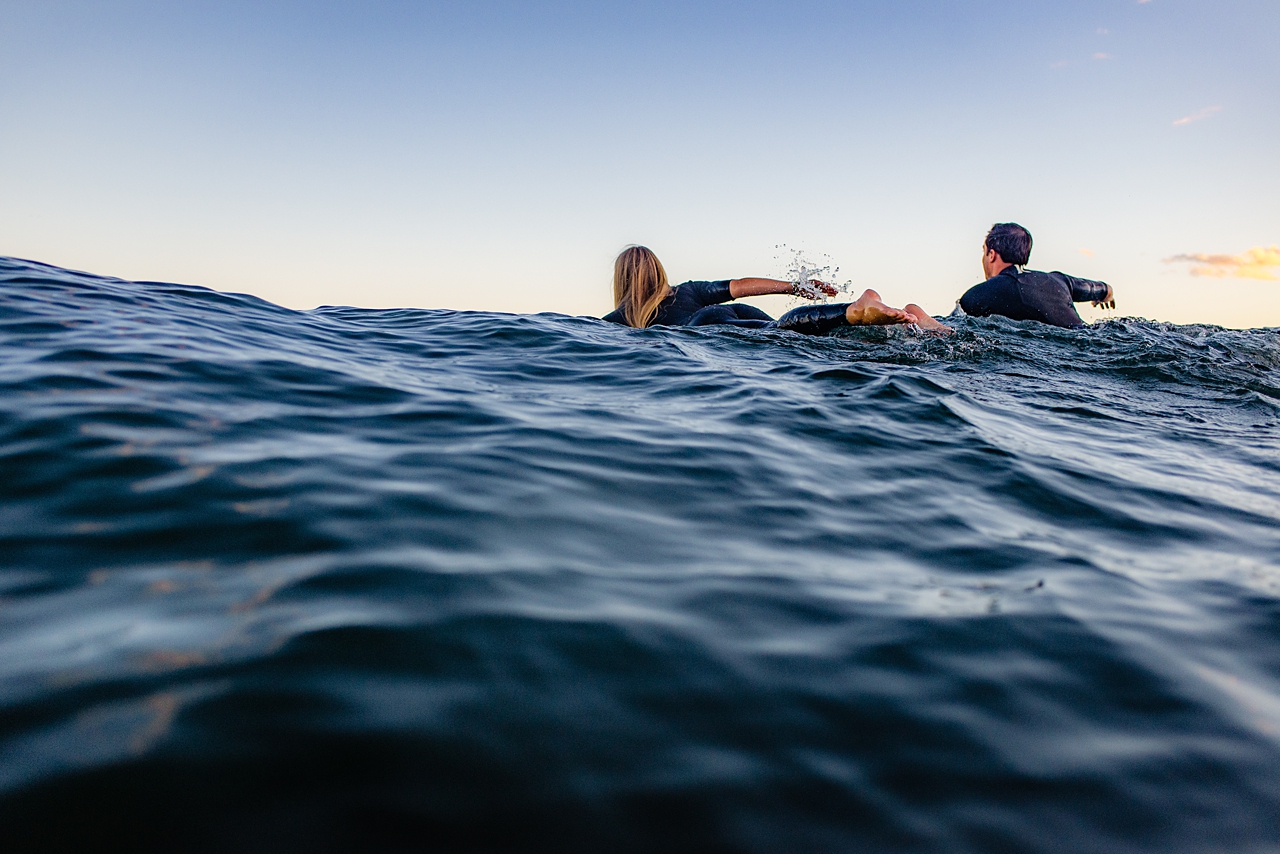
x=692 y=305
x=1032 y=295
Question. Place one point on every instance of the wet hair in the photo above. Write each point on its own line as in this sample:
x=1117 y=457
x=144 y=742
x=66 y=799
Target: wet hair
x=1011 y=242
x=639 y=285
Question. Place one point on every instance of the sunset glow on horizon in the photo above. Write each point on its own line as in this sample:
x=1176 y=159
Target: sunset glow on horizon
x=1260 y=262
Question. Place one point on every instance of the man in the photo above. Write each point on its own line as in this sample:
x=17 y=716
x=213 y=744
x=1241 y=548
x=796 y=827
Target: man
x=1027 y=294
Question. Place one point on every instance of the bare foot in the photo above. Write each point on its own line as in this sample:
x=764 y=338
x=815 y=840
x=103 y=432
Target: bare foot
x=925 y=321
x=870 y=311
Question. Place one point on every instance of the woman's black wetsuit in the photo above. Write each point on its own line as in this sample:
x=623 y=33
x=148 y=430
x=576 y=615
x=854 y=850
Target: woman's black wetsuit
x=698 y=304
x=807 y=319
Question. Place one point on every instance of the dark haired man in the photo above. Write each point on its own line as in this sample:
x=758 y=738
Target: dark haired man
x=1027 y=294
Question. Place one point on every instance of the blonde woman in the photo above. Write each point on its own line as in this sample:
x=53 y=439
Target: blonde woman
x=645 y=298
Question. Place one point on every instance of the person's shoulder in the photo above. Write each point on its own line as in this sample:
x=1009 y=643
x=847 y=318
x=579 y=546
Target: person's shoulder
x=1033 y=276
x=1058 y=279
x=992 y=284
x=689 y=287
x=706 y=293
x=996 y=295
x=1054 y=274
x=616 y=316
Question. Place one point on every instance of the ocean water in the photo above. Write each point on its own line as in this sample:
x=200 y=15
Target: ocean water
x=422 y=580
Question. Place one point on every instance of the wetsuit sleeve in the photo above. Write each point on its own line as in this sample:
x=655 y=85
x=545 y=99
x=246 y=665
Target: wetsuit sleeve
x=1083 y=290
x=616 y=316
x=707 y=293
x=814 y=319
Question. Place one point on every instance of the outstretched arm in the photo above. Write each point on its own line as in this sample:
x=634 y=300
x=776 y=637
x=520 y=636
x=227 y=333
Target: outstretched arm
x=759 y=287
x=1087 y=290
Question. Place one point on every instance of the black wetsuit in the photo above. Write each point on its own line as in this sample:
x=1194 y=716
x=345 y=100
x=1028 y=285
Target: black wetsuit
x=1032 y=295
x=814 y=319
x=698 y=304
x=807 y=319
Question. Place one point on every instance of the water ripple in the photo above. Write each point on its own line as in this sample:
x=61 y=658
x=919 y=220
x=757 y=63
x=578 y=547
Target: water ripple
x=307 y=581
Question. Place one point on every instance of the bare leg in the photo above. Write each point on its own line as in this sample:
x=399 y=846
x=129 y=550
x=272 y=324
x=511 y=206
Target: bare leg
x=870 y=311
x=925 y=321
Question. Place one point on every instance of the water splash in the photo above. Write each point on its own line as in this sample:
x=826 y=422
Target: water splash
x=807 y=272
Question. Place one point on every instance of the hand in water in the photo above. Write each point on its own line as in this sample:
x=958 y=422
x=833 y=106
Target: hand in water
x=813 y=289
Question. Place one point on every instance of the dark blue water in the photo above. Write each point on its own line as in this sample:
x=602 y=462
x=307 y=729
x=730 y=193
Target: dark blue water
x=429 y=580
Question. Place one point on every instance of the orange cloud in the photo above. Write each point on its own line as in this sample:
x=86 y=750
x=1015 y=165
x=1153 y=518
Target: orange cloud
x=1260 y=262
x=1197 y=116
x=1087 y=253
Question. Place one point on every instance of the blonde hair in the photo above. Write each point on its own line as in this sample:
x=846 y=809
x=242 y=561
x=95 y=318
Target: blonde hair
x=639 y=285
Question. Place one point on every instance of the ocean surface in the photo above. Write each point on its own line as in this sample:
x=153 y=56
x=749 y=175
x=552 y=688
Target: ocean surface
x=422 y=580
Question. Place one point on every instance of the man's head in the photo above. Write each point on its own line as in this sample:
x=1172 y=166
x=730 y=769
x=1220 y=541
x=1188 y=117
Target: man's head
x=1007 y=243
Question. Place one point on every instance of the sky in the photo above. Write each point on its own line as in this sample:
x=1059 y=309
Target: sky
x=498 y=155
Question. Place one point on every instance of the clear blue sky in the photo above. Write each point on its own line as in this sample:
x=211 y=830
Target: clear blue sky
x=498 y=155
